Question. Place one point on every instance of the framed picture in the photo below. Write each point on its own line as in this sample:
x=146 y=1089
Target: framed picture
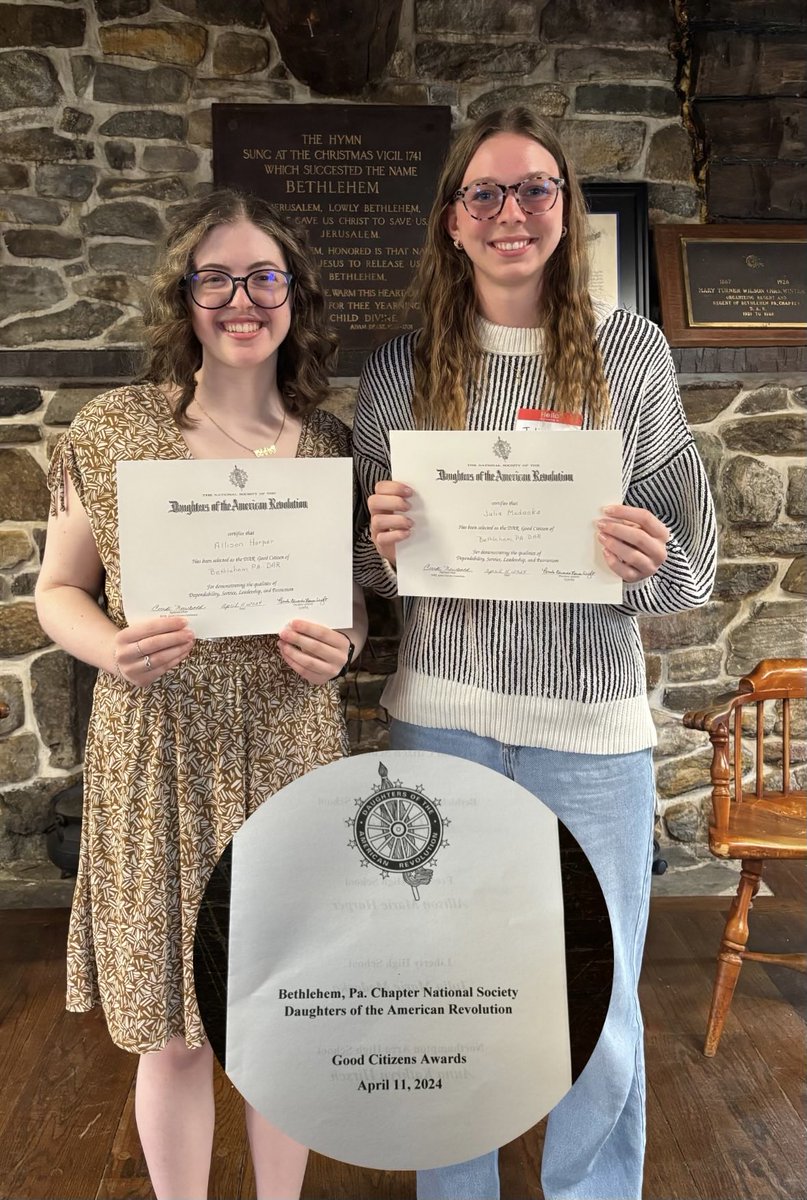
x=733 y=285
x=618 y=244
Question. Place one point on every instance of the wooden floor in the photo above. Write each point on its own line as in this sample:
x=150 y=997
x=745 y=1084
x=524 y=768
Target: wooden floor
x=728 y=1128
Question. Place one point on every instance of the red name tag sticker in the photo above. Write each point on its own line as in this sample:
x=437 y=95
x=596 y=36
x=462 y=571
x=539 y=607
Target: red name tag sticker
x=547 y=418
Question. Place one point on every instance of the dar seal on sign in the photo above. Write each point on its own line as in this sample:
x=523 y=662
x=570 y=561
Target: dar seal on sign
x=398 y=828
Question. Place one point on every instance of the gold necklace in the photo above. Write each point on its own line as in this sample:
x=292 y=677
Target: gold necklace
x=260 y=451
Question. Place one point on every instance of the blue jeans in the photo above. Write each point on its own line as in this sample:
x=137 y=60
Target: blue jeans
x=595 y=1136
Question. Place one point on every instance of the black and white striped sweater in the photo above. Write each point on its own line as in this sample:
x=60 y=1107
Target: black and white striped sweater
x=562 y=676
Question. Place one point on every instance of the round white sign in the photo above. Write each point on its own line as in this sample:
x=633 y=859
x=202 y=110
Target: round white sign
x=396 y=991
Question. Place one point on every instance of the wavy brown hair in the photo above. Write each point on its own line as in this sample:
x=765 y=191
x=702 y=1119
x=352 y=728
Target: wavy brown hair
x=448 y=356
x=307 y=351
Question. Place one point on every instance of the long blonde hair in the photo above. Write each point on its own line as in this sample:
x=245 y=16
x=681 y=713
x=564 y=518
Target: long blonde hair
x=448 y=356
x=306 y=353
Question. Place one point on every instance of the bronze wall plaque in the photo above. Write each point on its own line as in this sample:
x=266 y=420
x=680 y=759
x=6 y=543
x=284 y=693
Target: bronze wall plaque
x=733 y=285
x=360 y=180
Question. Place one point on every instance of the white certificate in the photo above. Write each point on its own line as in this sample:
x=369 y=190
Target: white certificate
x=602 y=238
x=397 y=961
x=237 y=546
x=508 y=515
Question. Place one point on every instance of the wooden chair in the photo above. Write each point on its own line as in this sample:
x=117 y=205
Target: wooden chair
x=755 y=825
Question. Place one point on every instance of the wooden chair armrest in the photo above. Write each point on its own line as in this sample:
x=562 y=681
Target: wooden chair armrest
x=718 y=714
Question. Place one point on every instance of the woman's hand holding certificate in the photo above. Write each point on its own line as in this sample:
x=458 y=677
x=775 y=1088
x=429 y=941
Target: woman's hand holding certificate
x=389 y=523
x=142 y=652
x=633 y=541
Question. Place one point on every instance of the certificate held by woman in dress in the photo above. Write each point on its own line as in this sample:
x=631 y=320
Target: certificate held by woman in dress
x=237 y=546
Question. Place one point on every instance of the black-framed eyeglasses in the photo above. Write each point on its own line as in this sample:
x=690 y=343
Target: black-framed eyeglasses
x=266 y=288
x=483 y=200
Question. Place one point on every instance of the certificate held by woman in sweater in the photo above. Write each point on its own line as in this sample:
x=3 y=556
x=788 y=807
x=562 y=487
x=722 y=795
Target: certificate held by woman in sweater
x=508 y=515
x=237 y=547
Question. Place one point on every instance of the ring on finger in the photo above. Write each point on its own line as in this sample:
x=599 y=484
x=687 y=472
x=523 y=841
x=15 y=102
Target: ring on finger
x=140 y=650
x=147 y=662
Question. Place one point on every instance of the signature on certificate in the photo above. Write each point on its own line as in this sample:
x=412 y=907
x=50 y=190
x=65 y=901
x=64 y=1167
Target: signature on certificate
x=443 y=570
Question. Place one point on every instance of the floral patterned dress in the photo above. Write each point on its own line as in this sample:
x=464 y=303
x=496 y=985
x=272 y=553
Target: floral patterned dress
x=173 y=769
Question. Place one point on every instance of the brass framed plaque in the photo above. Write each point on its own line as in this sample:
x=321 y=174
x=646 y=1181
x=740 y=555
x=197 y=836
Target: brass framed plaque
x=360 y=180
x=733 y=285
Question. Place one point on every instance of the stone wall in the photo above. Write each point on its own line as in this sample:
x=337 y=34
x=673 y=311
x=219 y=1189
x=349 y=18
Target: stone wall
x=751 y=436
x=746 y=88
x=105 y=123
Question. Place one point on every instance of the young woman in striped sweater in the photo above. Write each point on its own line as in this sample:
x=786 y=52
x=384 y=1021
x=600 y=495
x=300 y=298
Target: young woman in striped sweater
x=552 y=695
